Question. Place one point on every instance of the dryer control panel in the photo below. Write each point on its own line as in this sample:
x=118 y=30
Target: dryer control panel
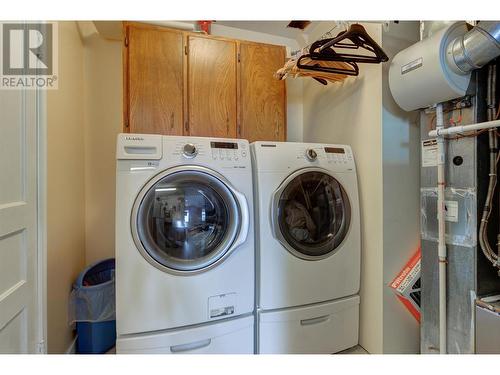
x=222 y=151
x=337 y=157
x=277 y=156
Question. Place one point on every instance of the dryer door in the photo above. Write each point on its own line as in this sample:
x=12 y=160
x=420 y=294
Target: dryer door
x=188 y=219
x=311 y=214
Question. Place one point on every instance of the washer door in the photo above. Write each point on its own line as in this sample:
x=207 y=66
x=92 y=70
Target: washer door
x=311 y=214
x=188 y=219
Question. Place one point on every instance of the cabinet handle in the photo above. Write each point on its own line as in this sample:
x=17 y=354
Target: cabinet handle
x=190 y=346
x=172 y=117
x=277 y=129
x=319 y=319
x=227 y=123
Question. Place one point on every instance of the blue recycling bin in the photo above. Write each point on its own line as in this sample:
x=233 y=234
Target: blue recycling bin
x=92 y=307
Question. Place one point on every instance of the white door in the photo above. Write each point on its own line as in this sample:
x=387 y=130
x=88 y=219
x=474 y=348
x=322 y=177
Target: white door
x=19 y=322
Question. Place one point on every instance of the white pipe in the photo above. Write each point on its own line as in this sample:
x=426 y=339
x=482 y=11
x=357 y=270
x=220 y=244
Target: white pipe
x=464 y=128
x=441 y=228
x=188 y=26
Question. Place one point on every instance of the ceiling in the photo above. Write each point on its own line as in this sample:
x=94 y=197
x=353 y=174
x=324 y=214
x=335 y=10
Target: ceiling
x=269 y=27
x=113 y=29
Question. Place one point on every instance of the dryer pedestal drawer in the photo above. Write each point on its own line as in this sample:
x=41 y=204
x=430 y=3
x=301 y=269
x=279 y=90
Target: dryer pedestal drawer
x=315 y=329
x=235 y=336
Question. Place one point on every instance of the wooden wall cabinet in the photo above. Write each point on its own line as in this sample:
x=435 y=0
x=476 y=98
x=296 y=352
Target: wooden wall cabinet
x=262 y=98
x=153 y=81
x=182 y=83
x=212 y=92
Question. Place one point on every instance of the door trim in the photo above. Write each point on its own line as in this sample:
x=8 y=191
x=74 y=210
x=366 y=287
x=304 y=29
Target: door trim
x=41 y=120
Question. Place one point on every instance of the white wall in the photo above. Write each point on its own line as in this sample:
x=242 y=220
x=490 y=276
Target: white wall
x=83 y=118
x=360 y=112
x=103 y=121
x=401 y=181
x=65 y=186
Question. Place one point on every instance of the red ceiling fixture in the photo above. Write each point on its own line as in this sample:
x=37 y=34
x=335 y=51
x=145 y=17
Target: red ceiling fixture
x=205 y=26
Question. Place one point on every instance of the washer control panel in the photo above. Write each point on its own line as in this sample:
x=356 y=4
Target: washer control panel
x=229 y=151
x=225 y=153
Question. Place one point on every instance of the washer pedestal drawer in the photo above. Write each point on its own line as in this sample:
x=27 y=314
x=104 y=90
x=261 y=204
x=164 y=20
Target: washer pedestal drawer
x=234 y=336
x=322 y=328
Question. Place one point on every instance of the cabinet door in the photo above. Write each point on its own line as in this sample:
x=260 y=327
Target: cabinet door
x=153 y=80
x=262 y=98
x=212 y=87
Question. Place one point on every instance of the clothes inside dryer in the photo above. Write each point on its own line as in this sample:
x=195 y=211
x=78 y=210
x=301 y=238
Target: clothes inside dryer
x=314 y=213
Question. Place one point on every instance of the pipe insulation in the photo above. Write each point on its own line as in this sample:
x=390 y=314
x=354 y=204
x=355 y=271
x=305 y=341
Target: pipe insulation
x=442 y=254
x=476 y=48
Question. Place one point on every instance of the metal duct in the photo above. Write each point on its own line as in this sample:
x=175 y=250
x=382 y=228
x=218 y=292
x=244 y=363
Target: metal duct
x=474 y=49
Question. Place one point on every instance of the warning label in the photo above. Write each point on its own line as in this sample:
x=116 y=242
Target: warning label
x=451 y=211
x=429 y=153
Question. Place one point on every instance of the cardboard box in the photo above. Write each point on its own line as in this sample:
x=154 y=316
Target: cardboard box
x=406 y=285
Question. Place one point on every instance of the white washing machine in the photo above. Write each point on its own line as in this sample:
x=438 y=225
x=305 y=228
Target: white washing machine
x=308 y=247
x=184 y=245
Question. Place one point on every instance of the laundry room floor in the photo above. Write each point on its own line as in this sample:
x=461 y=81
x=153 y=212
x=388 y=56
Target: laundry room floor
x=354 y=350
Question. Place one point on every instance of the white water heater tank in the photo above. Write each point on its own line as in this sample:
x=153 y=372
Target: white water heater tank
x=419 y=76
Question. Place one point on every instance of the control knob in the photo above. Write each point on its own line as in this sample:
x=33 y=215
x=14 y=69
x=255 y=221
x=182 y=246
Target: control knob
x=311 y=154
x=189 y=150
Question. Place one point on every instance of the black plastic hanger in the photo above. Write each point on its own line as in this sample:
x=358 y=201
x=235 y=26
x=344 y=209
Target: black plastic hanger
x=353 y=71
x=355 y=37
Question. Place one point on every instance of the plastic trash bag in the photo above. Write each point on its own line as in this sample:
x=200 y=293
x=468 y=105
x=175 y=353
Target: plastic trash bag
x=92 y=298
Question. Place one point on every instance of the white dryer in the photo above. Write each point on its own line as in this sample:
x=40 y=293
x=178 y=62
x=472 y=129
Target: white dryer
x=184 y=244
x=308 y=247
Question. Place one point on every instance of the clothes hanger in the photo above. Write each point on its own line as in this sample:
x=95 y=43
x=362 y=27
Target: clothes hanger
x=346 y=68
x=355 y=37
x=323 y=63
x=291 y=70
